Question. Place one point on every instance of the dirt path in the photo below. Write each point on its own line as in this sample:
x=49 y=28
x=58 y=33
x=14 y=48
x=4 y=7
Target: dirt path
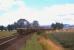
x=47 y=44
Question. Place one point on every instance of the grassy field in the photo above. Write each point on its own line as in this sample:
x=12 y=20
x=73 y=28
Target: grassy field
x=32 y=44
x=63 y=38
x=4 y=34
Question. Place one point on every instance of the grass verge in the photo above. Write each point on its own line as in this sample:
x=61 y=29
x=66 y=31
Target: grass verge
x=4 y=34
x=32 y=44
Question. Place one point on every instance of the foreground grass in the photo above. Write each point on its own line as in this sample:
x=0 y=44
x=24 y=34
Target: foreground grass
x=32 y=44
x=4 y=34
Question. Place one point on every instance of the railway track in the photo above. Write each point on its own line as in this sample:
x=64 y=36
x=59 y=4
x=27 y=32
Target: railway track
x=5 y=42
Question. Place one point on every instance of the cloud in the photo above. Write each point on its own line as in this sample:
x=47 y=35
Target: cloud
x=5 y=4
x=46 y=15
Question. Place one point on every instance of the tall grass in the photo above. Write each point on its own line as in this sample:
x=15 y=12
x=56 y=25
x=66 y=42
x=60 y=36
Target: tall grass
x=63 y=38
x=32 y=44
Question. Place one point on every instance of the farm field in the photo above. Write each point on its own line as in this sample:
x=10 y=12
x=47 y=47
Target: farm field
x=64 y=38
x=4 y=34
x=32 y=44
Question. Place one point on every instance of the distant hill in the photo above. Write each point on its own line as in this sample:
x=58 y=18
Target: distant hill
x=67 y=26
x=45 y=26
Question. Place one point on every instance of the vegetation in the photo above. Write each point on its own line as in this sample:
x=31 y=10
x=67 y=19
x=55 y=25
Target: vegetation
x=57 y=26
x=63 y=38
x=35 y=24
x=4 y=34
x=40 y=32
x=1 y=28
x=32 y=44
x=10 y=27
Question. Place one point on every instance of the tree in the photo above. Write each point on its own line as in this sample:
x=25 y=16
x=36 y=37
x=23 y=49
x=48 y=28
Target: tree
x=5 y=28
x=35 y=24
x=57 y=26
x=15 y=25
x=22 y=23
x=1 y=28
x=10 y=27
x=53 y=26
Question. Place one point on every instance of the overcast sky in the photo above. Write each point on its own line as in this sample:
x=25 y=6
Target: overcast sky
x=45 y=11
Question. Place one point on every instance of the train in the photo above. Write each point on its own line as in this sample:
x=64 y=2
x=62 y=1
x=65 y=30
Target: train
x=25 y=31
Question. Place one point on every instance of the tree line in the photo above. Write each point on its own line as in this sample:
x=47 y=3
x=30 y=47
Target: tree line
x=57 y=26
x=22 y=23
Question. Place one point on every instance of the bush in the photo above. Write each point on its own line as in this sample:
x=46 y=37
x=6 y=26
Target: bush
x=39 y=33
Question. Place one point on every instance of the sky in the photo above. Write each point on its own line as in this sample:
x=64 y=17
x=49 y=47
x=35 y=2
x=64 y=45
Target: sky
x=44 y=11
